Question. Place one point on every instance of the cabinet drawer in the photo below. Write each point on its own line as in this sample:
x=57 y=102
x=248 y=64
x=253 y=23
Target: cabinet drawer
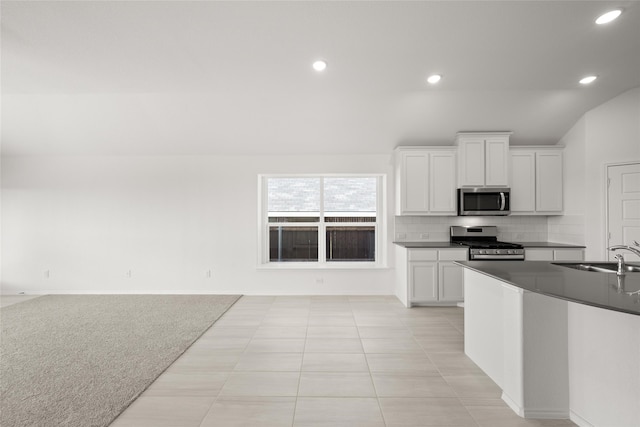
x=453 y=255
x=554 y=254
x=538 y=254
x=423 y=255
x=568 y=255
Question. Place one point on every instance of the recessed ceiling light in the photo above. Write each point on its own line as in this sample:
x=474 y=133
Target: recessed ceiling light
x=608 y=17
x=320 y=65
x=433 y=79
x=588 y=79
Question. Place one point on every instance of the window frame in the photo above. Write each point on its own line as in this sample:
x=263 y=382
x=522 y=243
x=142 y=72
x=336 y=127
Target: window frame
x=322 y=263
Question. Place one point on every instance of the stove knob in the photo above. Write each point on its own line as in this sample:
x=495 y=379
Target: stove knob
x=482 y=252
x=509 y=252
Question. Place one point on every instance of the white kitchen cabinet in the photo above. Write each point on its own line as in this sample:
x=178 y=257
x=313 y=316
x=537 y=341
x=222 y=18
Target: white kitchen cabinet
x=549 y=181
x=412 y=173
x=536 y=181
x=442 y=182
x=471 y=166
x=483 y=159
x=433 y=278
x=522 y=181
x=423 y=281
x=450 y=282
x=553 y=254
x=425 y=181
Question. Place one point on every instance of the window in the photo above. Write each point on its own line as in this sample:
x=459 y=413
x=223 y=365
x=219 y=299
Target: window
x=321 y=220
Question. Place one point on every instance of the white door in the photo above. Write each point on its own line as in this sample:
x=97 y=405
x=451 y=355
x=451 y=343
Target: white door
x=624 y=206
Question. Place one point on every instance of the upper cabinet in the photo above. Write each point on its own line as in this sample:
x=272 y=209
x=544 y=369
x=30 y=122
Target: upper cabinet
x=425 y=177
x=483 y=159
x=523 y=181
x=536 y=180
x=425 y=181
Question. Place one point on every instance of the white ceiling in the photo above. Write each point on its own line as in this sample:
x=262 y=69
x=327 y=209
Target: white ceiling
x=235 y=77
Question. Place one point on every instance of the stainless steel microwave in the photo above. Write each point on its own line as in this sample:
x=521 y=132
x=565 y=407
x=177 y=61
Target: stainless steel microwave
x=483 y=201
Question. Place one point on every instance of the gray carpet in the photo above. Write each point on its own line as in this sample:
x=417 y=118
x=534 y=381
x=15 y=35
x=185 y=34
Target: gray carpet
x=80 y=360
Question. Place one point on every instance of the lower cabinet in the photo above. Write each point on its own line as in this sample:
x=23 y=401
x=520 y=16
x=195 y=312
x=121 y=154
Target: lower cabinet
x=433 y=277
x=553 y=254
x=423 y=281
x=450 y=282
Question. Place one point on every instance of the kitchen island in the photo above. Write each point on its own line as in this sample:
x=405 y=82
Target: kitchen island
x=561 y=343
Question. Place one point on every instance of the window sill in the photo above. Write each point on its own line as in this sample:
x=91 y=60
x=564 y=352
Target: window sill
x=316 y=266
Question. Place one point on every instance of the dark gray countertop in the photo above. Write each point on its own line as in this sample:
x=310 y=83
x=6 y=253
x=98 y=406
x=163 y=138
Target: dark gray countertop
x=436 y=245
x=583 y=287
x=427 y=245
x=548 y=245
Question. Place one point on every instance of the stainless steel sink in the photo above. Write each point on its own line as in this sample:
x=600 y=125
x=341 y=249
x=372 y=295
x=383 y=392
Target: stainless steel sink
x=600 y=267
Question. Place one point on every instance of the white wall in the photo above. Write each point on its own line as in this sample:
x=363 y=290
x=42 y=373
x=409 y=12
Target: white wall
x=574 y=168
x=570 y=227
x=87 y=221
x=609 y=133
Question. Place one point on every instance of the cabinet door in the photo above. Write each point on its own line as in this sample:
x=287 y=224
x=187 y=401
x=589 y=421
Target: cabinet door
x=423 y=255
x=537 y=254
x=522 y=172
x=415 y=183
x=442 y=182
x=423 y=281
x=471 y=151
x=549 y=182
x=450 y=282
x=497 y=162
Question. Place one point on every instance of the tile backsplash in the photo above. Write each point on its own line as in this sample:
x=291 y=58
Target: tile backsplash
x=567 y=229
x=436 y=228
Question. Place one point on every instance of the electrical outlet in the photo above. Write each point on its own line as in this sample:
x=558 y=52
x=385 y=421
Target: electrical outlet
x=320 y=280
x=47 y=274
x=518 y=236
x=129 y=274
x=401 y=235
x=424 y=235
x=208 y=274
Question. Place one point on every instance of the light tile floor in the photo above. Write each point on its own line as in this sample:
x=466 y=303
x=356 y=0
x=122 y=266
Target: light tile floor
x=326 y=361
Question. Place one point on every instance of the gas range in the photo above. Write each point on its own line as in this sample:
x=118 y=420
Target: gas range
x=483 y=243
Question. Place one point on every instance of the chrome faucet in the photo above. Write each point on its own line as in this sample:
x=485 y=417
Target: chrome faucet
x=621 y=265
x=620 y=257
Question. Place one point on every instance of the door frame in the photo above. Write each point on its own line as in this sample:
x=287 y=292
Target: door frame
x=606 y=199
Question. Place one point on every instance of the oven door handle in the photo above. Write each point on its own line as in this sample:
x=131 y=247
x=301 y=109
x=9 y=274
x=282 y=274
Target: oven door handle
x=517 y=257
x=503 y=201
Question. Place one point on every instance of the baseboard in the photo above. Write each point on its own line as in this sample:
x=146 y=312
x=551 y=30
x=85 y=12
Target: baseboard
x=513 y=405
x=537 y=413
x=577 y=419
x=546 y=414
